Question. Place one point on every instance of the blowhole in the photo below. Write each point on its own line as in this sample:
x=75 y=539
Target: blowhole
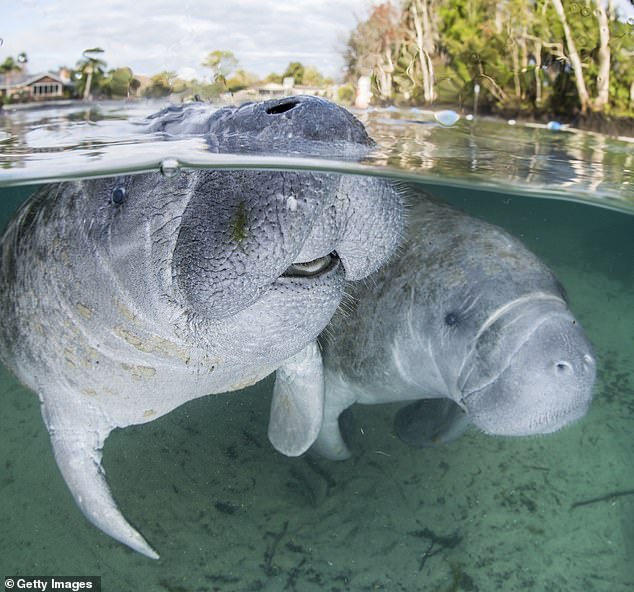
x=282 y=107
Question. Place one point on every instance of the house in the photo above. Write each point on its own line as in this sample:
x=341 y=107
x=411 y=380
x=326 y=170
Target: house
x=288 y=88
x=32 y=87
x=272 y=90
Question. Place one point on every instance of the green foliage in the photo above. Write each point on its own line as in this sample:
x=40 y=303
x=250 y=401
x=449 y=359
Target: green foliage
x=515 y=51
x=119 y=82
x=295 y=70
x=90 y=73
x=221 y=63
x=240 y=80
x=345 y=94
x=273 y=77
x=10 y=66
x=161 y=85
x=312 y=77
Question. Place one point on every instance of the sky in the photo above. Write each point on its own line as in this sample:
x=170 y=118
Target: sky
x=155 y=35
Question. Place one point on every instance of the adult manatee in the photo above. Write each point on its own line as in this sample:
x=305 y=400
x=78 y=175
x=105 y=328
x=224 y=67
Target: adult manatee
x=123 y=298
x=468 y=317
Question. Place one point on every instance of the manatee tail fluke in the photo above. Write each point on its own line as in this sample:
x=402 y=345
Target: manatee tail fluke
x=77 y=451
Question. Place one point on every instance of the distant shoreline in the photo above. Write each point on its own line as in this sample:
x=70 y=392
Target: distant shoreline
x=591 y=122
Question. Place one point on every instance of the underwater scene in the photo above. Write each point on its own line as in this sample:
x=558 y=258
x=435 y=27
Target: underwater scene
x=442 y=219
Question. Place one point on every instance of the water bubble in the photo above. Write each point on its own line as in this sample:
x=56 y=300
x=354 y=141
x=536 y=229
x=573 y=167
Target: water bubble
x=554 y=126
x=446 y=117
x=170 y=168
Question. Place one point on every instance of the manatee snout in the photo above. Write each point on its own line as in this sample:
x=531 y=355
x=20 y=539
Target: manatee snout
x=546 y=384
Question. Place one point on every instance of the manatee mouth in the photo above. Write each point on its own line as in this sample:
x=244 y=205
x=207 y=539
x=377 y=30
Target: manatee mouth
x=554 y=420
x=313 y=268
x=548 y=422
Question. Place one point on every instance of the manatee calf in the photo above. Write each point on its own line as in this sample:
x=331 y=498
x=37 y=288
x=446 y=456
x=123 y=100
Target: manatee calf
x=467 y=316
x=123 y=298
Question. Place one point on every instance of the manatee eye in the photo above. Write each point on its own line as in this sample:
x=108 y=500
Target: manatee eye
x=118 y=195
x=451 y=319
x=563 y=367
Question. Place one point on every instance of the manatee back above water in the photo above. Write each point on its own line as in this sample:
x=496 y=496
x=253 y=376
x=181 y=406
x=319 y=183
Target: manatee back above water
x=122 y=298
x=466 y=313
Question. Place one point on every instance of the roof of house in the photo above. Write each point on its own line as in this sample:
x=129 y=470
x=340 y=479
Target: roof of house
x=21 y=79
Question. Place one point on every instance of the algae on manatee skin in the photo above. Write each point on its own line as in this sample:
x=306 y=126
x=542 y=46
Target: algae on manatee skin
x=239 y=224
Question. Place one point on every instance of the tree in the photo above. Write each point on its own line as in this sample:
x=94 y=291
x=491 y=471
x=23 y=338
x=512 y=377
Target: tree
x=89 y=67
x=603 y=56
x=475 y=50
x=421 y=13
x=296 y=71
x=12 y=66
x=240 y=80
x=273 y=77
x=120 y=82
x=371 y=46
x=221 y=64
x=313 y=77
x=573 y=55
x=522 y=54
x=161 y=85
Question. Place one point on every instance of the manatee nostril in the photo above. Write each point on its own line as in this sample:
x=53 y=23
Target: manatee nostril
x=282 y=107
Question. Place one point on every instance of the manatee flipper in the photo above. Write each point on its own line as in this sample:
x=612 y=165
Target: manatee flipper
x=331 y=443
x=77 y=445
x=430 y=422
x=297 y=407
x=347 y=426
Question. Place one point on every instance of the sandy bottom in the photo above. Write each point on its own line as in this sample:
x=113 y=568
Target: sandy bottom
x=228 y=513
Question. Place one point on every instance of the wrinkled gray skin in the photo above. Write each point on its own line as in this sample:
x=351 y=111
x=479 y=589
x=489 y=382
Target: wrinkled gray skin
x=116 y=313
x=464 y=313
